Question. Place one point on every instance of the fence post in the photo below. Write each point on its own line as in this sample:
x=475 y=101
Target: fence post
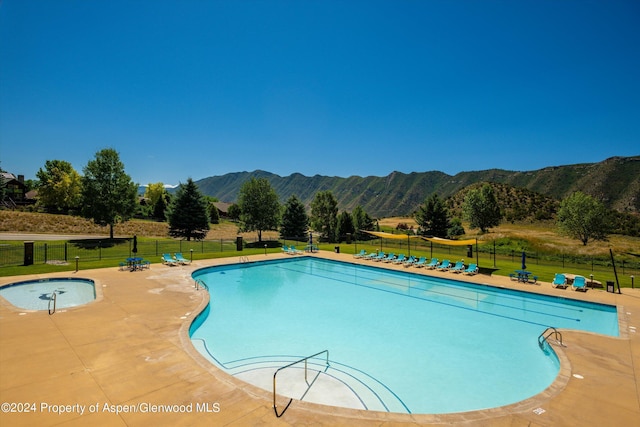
x=100 y=250
x=46 y=247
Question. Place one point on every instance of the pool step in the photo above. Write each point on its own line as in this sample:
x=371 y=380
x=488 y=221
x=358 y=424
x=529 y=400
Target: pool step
x=336 y=385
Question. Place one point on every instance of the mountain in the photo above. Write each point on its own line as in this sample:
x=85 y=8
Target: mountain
x=615 y=181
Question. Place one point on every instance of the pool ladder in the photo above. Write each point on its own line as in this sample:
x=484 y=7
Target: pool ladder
x=199 y=283
x=544 y=336
x=53 y=298
x=244 y=259
x=304 y=359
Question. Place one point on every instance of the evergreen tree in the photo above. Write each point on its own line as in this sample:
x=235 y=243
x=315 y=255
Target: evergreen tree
x=362 y=221
x=259 y=206
x=584 y=218
x=344 y=226
x=295 y=222
x=481 y=208
x=324 y=214
x=108 y=194
x=433 y=217
x=160 y=208
x=188 y=216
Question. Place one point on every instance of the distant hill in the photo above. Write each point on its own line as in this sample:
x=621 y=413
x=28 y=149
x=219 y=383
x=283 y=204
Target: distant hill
x=615 y=181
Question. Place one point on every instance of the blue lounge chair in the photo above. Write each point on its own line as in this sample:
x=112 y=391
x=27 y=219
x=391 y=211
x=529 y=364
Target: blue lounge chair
x=285 y=248
x=457 y=268
x=390 y=257
x=182 y=260
x=559 y=281
x=432 y=264
x=168 y=260
x=294 y=251
x=370 y=256
x=446 y=264
x=421 y=262
x=378 y=257
x=471 y=270
x=401 y=258
x=410 y=261
x=579 y=284
x=360 y=254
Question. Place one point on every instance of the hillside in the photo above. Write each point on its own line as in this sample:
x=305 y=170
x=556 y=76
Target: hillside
x=615 y=181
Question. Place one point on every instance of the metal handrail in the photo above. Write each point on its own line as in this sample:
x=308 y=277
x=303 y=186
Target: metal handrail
x=304 y=359
x=53 y=298
x=244 y=259
x=551 y=331
x=200 y=283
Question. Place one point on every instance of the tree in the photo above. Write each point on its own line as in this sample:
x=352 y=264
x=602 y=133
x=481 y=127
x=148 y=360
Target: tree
x=60 y=186
x=214 y=215
x=584 y=218
x=295 y=221
x=361 y=221
x=324 y=213
x=234 y=212
x=160 y=207
x=259 y=206
x=188 y=216
x=108 y=194
x=481 y=208
x=344 y=226
x=433 y=217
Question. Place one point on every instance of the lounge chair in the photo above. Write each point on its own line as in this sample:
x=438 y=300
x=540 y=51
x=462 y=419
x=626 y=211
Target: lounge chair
x=182 y=260
x=378 y=257
x=401 y=258
x=446 y=264
x=360 y=254
x=383 y=256
x=559 y=281
x=421 y=262
x=410 y=261
x=457 y=268
x=432 y=264
x=370 y=256
x=389 y=257
x=285 y=248
x=471 y=269
x=294 y=251
x=168 y=260
x=579 y=284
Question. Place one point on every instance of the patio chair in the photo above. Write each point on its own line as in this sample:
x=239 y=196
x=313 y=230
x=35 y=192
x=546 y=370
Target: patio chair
x=401 y=258
x=389 y=257
x=458 y=267
x=421 y=262
x=471 y=269
x=579 y=284
x=168 y=260
x=432 y=264
x=410 y=261
x=182 y=260
x=360 y=254
x=559 y=281
x=446 y=264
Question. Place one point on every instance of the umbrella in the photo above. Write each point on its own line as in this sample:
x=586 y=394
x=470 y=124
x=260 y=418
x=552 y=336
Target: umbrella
x=135 y=245
x=524 y=260
x=310 y=238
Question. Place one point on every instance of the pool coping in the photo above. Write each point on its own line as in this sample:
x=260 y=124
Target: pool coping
x=569 y=400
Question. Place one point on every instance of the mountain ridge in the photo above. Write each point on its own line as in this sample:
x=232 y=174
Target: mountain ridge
x=615 y=181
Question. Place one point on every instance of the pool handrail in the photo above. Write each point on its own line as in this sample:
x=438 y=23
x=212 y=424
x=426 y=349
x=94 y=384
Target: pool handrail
x=304 y=359
x=53 y=298
x=542 y=338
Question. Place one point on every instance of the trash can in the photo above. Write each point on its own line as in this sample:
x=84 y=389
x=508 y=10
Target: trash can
x=337 y=249
x=610 y=287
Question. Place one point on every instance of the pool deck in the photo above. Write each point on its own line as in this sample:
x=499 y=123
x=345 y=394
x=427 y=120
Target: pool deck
x=130 y=350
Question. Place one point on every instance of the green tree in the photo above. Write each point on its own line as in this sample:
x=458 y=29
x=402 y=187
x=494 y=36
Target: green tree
x=481 y=208
x=214 y=215
x=584 y=218
x=295 y=221
x=259 y=206
x=108 y=193
x=160 y=207
x=344 y=226
x=362 y=221
x=324 y=214
x=188 y=216
x=60 y=186
x=433 y=217
x=456 y=229
x=234 y=212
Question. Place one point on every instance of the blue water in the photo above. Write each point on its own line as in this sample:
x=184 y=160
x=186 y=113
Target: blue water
x=35 y=294
x=435 y=345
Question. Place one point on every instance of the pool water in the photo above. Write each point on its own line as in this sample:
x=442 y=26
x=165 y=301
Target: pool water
x=397 y=341
x=35 y=294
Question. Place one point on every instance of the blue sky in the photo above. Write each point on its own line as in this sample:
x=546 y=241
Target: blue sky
x=197 y=88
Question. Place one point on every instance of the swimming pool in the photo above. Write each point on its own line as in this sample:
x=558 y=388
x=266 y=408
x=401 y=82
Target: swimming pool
x=398 y=342
x=36 y=294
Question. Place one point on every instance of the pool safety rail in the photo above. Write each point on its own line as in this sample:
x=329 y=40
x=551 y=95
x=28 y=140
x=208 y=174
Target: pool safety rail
x=53 y=298
x=244 y=259
x=544 y=336
x=199 y=283
x=304 y=359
